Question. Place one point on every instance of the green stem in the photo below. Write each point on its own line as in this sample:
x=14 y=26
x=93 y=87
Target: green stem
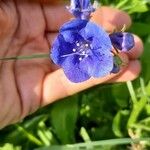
x=30 y=136
x=85 y=135
x=138 y=106
x=143 y=87
x=146 y=120
x=142 y=127
x=111 y=142
x=121 y=4
x=132 y=92
x=25 y=57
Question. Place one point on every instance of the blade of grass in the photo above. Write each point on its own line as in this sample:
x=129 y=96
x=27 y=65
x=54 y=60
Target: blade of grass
x=84 y=135
x=137 y=105
x=141 y=127
x=25 y=57
x=111 y=142
x=132 y=92
x=31 y=137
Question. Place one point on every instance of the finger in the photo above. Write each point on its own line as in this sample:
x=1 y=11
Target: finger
x=51 y=37
x=55 y=16
x=137 y=51
x=130 y=73
x=51 y=2
x=109 y=18
x=56 y=85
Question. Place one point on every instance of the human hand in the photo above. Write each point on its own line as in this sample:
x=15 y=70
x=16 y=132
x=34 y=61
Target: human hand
x=29 y=27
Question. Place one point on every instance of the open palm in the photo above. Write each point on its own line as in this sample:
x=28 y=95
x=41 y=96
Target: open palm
x=29 y=27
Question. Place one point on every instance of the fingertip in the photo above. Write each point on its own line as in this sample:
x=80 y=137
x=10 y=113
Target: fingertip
x=111 y=18
x=55 y=16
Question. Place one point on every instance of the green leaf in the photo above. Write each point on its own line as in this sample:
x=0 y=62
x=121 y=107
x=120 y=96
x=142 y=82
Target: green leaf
x=117 y=122
x=144 y=28
x=138 y=6
x=63 y=119
x=132 y=6
x=120 y=94
x=146 y=61
x=9 y=146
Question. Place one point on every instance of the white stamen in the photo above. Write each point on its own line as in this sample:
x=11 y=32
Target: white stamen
x=78 y=44
x=86 y=45
x=74 y=50
x=86 y=55
x=80 y=58
x=83 y=52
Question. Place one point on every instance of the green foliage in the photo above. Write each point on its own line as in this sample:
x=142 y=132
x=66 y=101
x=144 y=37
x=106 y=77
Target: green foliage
x=63 y=118
x=119 y=112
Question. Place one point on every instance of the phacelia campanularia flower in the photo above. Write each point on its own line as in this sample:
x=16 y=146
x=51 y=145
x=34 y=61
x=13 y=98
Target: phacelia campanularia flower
x=83 y=50
x=81 y=8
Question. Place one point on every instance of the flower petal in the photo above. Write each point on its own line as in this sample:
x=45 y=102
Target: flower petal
x=72 y=70
x=71 y=36
x=60 y=48
x=75 y=4
x=98 y=65
x=74 y=25
x=99 y=38
x=99 y=44
x=81 y=8
x=122 y=40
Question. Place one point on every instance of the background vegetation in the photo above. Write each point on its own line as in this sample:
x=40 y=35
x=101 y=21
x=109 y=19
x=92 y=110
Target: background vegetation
x=116 y=116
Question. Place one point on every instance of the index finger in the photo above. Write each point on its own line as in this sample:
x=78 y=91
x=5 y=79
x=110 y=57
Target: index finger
x=107 y=17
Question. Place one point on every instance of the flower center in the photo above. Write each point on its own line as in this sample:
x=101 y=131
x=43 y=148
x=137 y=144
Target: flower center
x=81 y=48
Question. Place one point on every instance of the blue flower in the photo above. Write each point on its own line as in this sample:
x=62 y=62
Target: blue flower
x=81 y=8
x=122 y=41
x=83 y=50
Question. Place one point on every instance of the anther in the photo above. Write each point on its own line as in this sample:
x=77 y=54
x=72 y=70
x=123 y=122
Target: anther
x=78 y=44
x=86 y=55
x=74 y=50
x=83 y=52
x=86 y=45
x=80 y=58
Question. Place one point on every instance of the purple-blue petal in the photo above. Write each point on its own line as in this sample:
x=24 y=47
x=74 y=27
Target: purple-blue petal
x=100 y=39
x=85 y=4
x=72 y=70
x=74 y=25
x=60 y=47
x=98 y=65
x=81 y=8
x=71 y=36
x=75 y=4
x=122 y=40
